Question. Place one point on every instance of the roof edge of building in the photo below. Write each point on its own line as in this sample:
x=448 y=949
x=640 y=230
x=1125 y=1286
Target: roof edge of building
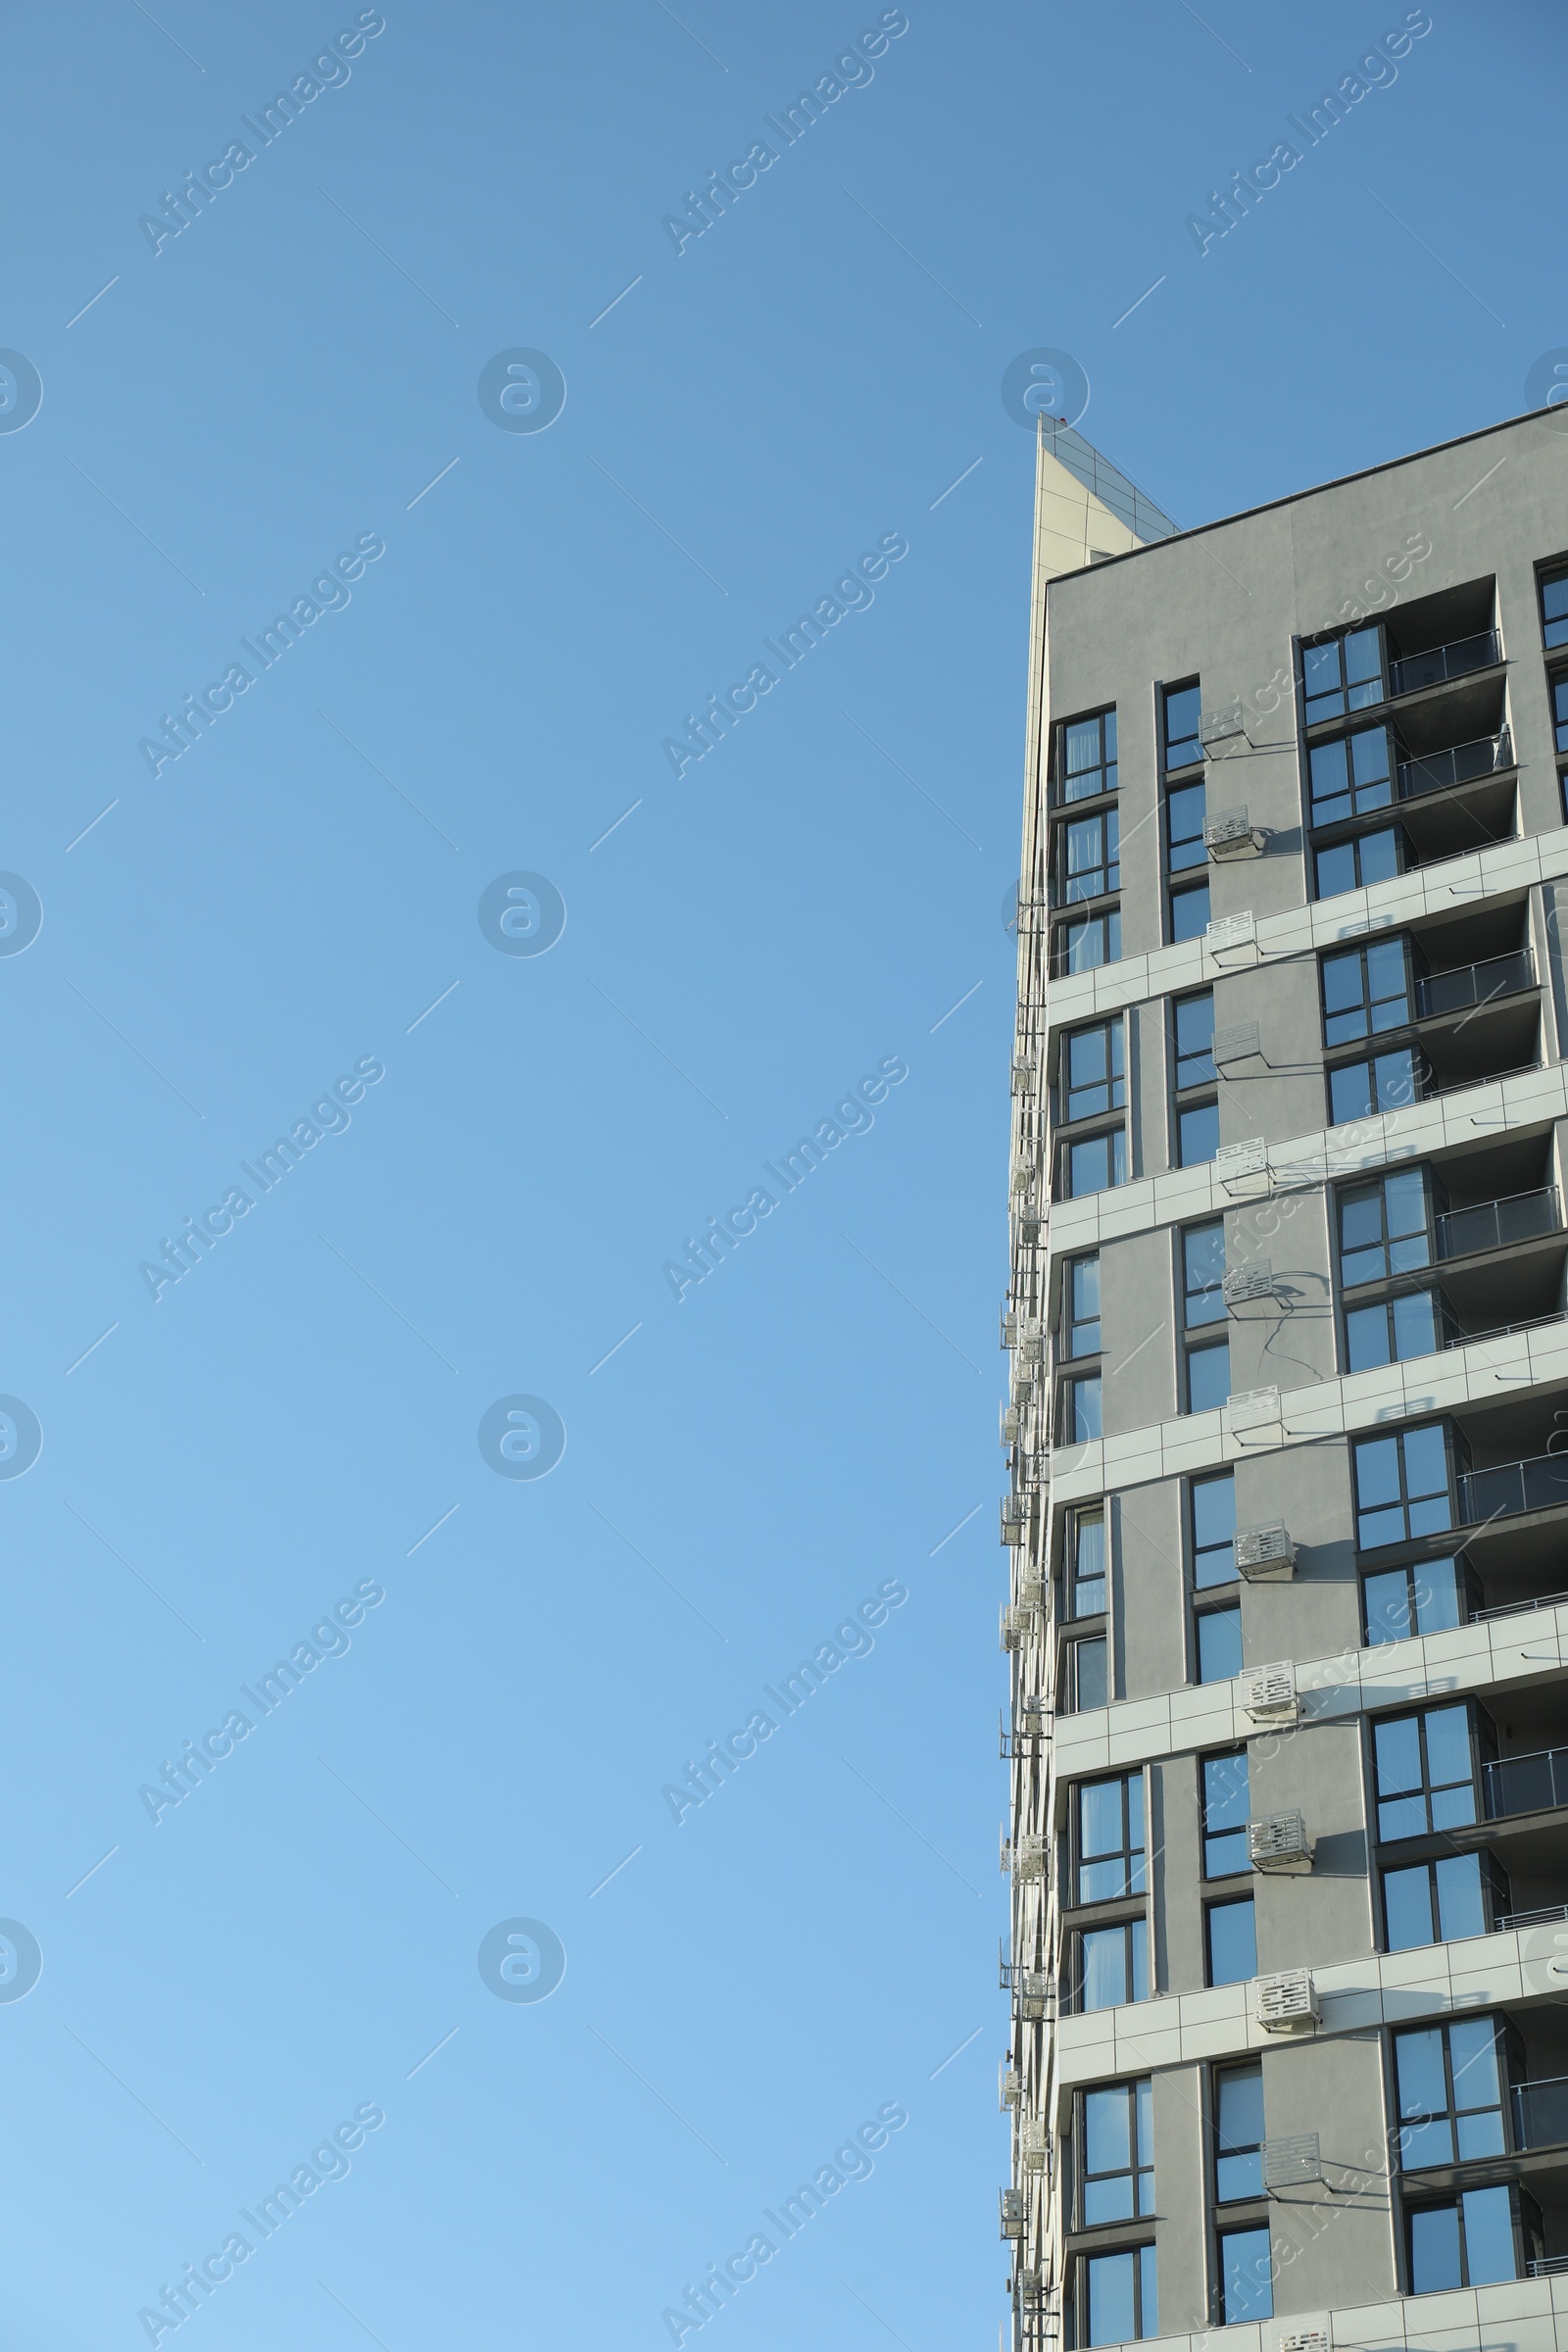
x=1293 y=498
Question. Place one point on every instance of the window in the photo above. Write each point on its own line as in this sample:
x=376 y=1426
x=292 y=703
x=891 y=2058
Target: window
x=1096 y=1163
x=1088 y=1673
x=1426 y=1598
x=1392 y=1330
x=1203 y=1274
x=1193 y=1022
x=1554 y=604
x=1219 y=1645
x=1182 y=747
x=1086 y=756
x=1215 y=1530
x=1188 y=911
x=1360 y=1090
x=1110 y=1837
x=1119 y=2296
x=1082 y=1420
x=1238 y=2133
x=1382 y=1228
x=1209 y=1376
x=1113 y=1965
x=1344 y=675
x=1451 y=2092
x=1196 y=1134
x=1086 y=1561
x=1088 y=941
x=1473 y=2239
x=1425 y=1772
x=1246 y=2276
x=1559 y=712
x=1225 y=1802
x=1232 y=1937
x=1116 y=2130
x=1184 y=828
x=1208 y=1361
x=1081 y=1298
x=1366 y=991
x=1358 y=864
x=1401 y=1487
x=1087 y=848
x=1092 y=1075
x=1437 y=1902
x=1351 y=777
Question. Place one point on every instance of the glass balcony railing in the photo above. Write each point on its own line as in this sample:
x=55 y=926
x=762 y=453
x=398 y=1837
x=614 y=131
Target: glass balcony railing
x=1533 y=1485
x=1541 y=2113
x=1461 y=764
x=1476 y=983
x=1526 y=1784
x=1442 y=661
x=1491 y=1224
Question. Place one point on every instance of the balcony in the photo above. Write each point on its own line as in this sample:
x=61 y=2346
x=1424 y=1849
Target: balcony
x=1494 y=1224
x=1474 y=984
x=1440 y=663
x=1525 y=1784
x=1539 y=1483
x=1541 y=2114
x=1458 y=764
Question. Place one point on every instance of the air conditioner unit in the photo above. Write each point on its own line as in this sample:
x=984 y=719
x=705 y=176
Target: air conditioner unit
x=1034 y=2146
x=1232 y=834
x=1241 y=1040
x=1251 y=1408
x=1266 y=1554
x=1014 y=2212
x=1014 y=1518
x=1033 y=1226
x=1018 y=1624
x=1010 y=2086
x=1278 y=1842
x=1024 y=1177
x=1288 y=2003
x=1032 y=1589
x=1024 y=1857
x=1241 y=1283
x=1225 y=724
x=1234 y=1161
x=1036 y=1994
x=1268 y=1692
x=1024 y=1072
x=1305 y=2339
x=1034 y=1718
x=1012 y=1424
x=1288 y=2163
x=1229 y=931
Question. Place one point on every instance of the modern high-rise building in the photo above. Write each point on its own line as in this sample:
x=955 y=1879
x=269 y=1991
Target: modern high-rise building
x=1287 y=1418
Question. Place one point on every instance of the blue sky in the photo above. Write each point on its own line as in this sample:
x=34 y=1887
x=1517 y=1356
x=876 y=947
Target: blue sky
x=294 y=902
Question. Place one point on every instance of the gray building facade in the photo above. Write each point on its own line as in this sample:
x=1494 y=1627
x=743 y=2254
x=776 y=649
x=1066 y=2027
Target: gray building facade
x=1287 y=1419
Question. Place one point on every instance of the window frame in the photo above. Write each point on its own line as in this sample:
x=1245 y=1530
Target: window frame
x=1507 y=2052
x=1134 y=1857
x=1211 y=1477
x=1135 y=1987
x=1106 y=817
x=1230 y=1902
x=1338 y=640
x=1138 y=2093
x=1080 y=1515
x=1548 y=576
x=1381 y=1183
x=1400 y=1438
x=1527 y=2236
x=1322 y=815
x=1361 y=953
x=1072 y=1323
x=1112 y=1030
x=1220 y=2075
x=1207 y=1837
x=1082 y=2305
x=1105 y=765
